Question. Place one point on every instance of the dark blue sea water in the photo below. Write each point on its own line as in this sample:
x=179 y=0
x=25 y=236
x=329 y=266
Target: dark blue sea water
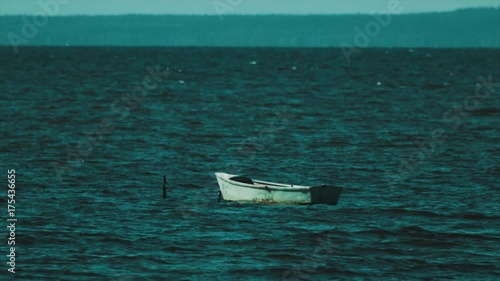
x=411 y=135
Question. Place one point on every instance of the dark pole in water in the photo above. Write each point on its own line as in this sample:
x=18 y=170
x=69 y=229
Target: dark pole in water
x=220 y=195
x=164 y=187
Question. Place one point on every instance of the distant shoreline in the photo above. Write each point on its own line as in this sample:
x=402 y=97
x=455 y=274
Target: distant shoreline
x=481 y=29
x=259 y=15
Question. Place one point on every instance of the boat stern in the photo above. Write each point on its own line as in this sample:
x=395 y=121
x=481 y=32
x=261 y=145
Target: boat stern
x=325 y=194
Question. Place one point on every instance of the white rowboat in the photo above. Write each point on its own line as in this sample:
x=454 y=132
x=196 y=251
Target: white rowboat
x=239 y=188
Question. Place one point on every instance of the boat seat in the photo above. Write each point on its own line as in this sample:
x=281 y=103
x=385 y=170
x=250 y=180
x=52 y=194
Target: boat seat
x=242 y=179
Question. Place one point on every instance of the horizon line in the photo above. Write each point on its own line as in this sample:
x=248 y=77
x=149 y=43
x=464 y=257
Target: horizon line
x=261 y=14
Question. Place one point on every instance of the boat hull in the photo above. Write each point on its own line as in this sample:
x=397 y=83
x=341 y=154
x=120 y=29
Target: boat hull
x=266 y=192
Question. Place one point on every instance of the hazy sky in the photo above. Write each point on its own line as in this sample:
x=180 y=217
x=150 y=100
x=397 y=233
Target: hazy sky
x=113 y=7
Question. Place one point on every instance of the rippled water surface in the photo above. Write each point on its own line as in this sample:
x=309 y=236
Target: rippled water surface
x=415 y=147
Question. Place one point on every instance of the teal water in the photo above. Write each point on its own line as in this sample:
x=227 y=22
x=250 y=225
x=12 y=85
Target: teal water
x=415 y=147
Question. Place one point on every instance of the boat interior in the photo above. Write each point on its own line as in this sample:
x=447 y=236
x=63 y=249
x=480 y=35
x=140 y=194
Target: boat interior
x=242 y=179
x=248 y=180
